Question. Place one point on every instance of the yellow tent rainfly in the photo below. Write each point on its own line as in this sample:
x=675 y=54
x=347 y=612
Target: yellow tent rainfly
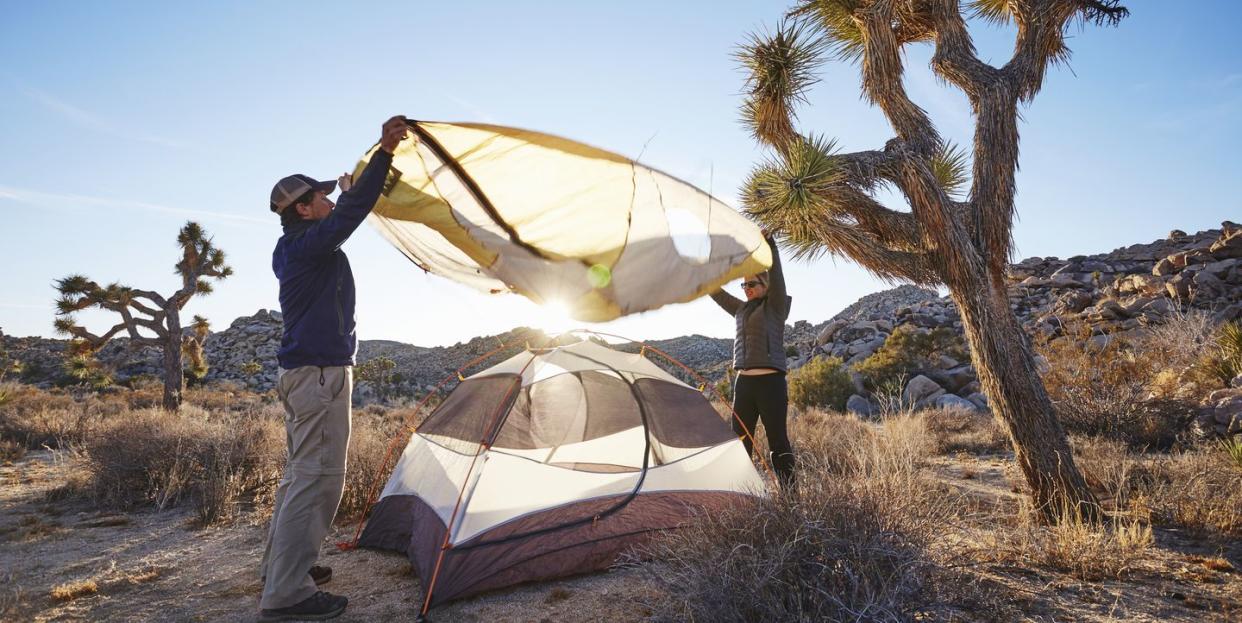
x=509 y=210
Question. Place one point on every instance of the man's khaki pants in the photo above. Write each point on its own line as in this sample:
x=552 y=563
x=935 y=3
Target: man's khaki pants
x=317 y=424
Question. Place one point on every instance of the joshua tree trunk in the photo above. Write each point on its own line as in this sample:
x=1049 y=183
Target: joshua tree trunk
x=821 y=200
x=174 y=378
x=1002 y=355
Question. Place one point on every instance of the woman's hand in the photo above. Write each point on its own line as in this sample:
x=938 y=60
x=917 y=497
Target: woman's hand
x=345 y=182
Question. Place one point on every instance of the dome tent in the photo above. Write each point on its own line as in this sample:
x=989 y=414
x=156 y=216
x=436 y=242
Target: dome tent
x=551 y=463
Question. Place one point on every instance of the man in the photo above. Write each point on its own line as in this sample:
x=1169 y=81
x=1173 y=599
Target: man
x=315 y=383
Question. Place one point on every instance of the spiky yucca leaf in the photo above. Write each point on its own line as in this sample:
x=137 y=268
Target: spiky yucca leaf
x=64 y=325
x=190 y=234
x=1229 y=344
x=75 y=284
x=1233 y=449
x=951 y=166
x=781 y=67
x=795 y=183
x=843 y=34
x=994 y=11
x=67 y=305
x=80 y=367
x=204 y=287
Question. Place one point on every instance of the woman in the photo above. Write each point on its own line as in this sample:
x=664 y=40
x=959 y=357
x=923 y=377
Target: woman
x=759 y=391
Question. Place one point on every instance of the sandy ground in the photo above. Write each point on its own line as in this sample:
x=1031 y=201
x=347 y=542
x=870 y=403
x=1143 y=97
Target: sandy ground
x=154 y=566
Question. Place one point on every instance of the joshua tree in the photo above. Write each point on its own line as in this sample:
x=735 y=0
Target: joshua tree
x=145 y=310
x=823 y=200
x=379 y=373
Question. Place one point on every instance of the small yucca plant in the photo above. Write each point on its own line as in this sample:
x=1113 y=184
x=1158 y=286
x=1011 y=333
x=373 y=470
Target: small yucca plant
x=1233 y=448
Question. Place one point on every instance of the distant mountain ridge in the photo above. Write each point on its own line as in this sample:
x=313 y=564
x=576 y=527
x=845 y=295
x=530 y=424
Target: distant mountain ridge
x=1111 y=293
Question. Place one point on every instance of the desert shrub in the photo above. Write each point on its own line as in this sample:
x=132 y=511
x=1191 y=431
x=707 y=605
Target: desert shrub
x=1106 y=390
x=152 y=458
x=908 y=350
x=1195 y=489
x=961 y=430
x=822 y=382
x=35 y=418
x=368 y=444
x=854 y=536
x=11 y=451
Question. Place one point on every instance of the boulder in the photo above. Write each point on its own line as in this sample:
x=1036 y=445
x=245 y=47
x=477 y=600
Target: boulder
x=952 y=401
x=959 y=377
x=859 y=406
x=826 y=334
x=920 y=388
x=1164 y=268
x=1227 y=247
x=979 y=400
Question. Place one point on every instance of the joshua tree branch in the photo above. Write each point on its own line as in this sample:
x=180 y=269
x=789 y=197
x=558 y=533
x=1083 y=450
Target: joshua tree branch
x=863 y=247
x=95 y=341
x=955 y=59
x=155 y=298
x=155 y=314
x=881 y=72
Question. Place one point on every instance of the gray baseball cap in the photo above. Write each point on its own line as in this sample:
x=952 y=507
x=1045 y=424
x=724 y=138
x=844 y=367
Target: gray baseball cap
x=287 y=190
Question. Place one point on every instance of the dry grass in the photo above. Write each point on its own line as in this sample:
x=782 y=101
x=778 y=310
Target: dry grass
x=1108 y=391
x=1084 y=550
x=223 y=451
x=1195 y=489
x=152 y=458
x=856 y=539
x=960 y=430
x=73 y=590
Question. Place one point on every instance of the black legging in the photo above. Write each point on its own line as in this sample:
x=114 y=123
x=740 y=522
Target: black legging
x=765 y=396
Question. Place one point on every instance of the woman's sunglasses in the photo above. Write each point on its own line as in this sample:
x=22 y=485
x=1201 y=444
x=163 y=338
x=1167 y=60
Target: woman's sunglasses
x=746 y=285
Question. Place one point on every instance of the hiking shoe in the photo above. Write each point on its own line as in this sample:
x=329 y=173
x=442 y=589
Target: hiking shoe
x=320 y=575
x=317 y=607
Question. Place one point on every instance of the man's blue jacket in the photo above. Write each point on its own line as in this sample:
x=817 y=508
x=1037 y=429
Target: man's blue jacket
x=316 y=284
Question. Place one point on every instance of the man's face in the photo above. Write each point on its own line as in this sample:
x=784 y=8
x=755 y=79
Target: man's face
x=318 y=209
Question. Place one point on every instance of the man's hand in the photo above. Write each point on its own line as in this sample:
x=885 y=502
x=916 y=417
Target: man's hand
x=394 y=132
x=345 y=182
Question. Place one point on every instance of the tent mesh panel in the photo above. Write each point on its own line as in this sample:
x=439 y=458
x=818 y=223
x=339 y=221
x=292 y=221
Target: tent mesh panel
x=462 y=420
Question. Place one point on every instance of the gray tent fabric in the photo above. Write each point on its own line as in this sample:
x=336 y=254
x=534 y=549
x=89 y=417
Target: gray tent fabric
x=550 y=464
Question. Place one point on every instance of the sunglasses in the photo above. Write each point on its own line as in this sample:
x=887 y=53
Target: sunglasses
x=746 y=285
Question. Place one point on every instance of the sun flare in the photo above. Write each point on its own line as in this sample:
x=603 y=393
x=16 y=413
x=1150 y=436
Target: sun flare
x=554 y=317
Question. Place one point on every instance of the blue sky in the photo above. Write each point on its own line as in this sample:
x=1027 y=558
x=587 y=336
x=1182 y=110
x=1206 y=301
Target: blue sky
x=121 y=120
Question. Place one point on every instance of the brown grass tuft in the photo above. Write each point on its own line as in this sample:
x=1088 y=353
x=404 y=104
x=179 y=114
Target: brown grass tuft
x=73 y=590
